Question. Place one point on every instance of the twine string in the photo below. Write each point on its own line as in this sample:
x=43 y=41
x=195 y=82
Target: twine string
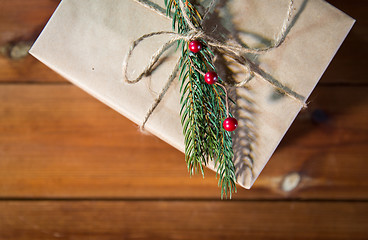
x=154 y=7
x=209 y=9
x=185 y=15
x=161 y=95
x=232 y=49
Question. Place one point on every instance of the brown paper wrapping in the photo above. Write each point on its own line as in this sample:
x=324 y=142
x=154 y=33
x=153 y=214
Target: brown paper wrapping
x=85 y=41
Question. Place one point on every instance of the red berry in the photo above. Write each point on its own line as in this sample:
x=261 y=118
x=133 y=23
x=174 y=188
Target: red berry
x=195 y=46
x=230 y=124
x=211 y=77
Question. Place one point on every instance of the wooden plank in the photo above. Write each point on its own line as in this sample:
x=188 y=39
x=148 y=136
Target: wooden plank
x=349 y=61
x=182 y=220
x=57 y=141
x=23 y=21
x=26 y=70
x=20 y=24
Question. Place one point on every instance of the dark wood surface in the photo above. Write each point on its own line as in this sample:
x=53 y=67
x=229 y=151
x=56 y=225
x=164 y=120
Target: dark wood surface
x=72 y=168
x=182 y=220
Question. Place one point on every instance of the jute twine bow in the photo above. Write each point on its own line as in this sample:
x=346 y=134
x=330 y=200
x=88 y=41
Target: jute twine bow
x=231 y=49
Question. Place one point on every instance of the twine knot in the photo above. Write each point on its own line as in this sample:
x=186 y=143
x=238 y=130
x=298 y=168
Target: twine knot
x=231 y=49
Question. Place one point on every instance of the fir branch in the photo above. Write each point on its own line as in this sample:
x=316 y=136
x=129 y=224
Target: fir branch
x=202 y=106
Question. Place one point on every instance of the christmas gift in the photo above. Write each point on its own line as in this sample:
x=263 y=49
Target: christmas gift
x=220 y=80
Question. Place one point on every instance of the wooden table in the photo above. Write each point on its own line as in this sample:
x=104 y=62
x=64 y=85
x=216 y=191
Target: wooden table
x=71 y=168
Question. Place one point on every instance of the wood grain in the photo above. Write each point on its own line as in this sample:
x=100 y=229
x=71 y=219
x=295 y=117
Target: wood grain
x=57 y=141
x=24 y=20
x=26 y=70
x=182 y=220
x=348 y=64
x=20 y=23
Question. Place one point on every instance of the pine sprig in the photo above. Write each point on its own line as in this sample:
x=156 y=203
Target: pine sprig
x=202 y=106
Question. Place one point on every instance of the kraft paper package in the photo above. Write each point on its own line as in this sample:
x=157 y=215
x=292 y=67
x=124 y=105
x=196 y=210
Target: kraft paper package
x=86 y=41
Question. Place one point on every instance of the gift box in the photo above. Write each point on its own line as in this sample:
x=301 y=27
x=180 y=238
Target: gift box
x=86 y=41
